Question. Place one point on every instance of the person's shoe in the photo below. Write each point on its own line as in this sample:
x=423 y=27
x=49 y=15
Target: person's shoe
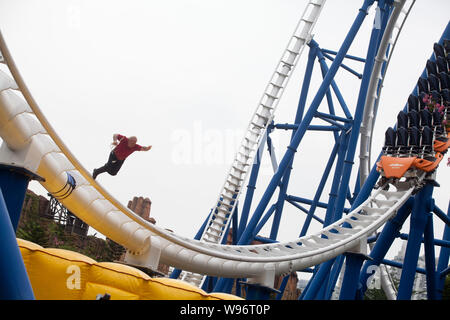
x=94 y=174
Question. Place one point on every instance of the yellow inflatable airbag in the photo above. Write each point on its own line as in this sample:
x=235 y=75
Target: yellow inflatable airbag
x=58 y=274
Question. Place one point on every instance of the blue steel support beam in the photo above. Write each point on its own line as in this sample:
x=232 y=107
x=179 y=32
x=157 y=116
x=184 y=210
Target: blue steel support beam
x=383 y=245
x=306 y=84
x=332 y=117
x=282 y=287
x=292 y=148
x=322 y=290
x=335 y=270
x=325 y=268
x=316 y=283
x=305 y=211
x=14 y=183
x=444 y=255
x=436 y=242
x=375 y=39
x=246 y=237
x=263 y=221
x=441 y=39
x=287 y=126
x=419 y=217
x=324 y=70
x=265 y=240
x=441 y=215
x=222 y=283
x=341 y=100
x=337 y=92
x=329 y=102
x=384 y=242
x=333 y=196
x=15 y=284
x=430 y=260
x=334 y=275
x=353 y=263
x=258 y=292
x=311 y=202
x=278 y=207
x=360 y=198
x=345 y=67
x=235 y=226
x=298 y=118
x=333 y=123
x=306 y=289
x=347 y=56
x=399 y=265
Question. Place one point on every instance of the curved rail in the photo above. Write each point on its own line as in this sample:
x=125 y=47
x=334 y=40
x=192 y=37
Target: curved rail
x=262 y=117
x=376 y=86
x=230 y=192
x=371 y=108
x=28 y=134
x=214 y=259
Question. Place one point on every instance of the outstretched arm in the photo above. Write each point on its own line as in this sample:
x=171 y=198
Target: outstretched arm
x=146 y=148
x=115 y=138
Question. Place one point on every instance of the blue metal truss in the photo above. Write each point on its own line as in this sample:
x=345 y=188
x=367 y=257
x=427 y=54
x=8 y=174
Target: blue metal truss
x=420 y=208
x=345 y=130
x=15 y=284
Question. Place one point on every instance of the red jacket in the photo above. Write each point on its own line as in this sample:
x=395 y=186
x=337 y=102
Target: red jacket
x=122 y=151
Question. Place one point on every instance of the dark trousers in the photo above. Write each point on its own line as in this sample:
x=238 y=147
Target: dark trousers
x=112 y=166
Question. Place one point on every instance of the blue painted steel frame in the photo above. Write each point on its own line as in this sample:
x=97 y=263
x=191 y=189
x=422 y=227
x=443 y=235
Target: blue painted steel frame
x=14 y=183
x=15 y=284
x=341 y=182
x=297 y=137
x=281 y=176
x=302 y=123
x=421 y=224
x=325 y=276
x=419 y=218
x=384 y=242
x=444 y=255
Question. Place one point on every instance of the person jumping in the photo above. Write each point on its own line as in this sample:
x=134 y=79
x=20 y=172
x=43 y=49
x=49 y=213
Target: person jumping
x=124 y=147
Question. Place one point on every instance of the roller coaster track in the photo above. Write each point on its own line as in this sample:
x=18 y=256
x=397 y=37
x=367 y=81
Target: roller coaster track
x=370 y=111
x=226 y=202
x=29 y=140
x=376 y=85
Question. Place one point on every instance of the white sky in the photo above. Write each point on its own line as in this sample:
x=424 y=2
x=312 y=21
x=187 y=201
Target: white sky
x=185 y=77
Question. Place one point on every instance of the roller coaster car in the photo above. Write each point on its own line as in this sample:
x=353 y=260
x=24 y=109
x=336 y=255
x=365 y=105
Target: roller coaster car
x=397 y=166
x=442 y=144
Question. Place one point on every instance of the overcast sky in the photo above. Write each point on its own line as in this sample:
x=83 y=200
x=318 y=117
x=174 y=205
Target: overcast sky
x=185 y=76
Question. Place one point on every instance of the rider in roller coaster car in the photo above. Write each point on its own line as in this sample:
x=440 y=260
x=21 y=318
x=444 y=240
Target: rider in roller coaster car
x=124 y=147
x=420 y=140
x=422 y=136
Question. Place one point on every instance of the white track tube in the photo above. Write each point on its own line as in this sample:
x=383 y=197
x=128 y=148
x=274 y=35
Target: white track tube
x=367 y=123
